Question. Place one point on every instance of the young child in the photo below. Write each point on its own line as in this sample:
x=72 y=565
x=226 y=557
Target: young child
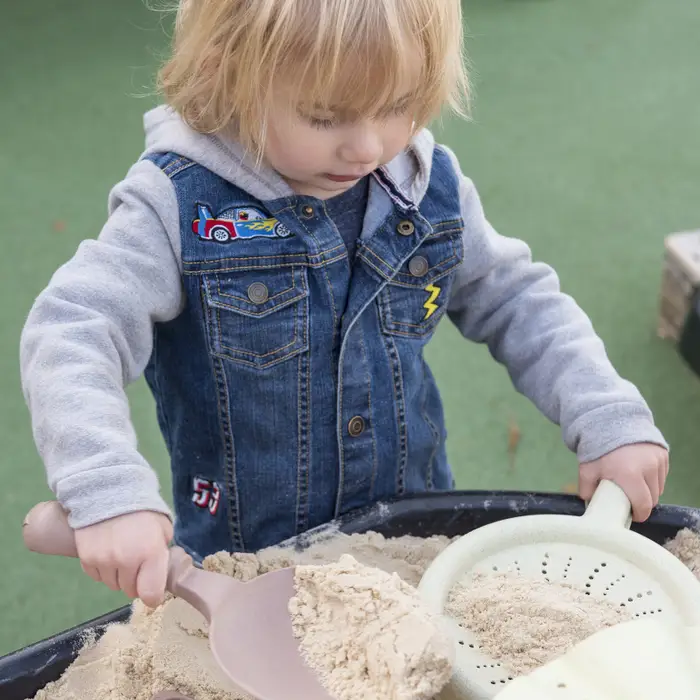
x=275 y=263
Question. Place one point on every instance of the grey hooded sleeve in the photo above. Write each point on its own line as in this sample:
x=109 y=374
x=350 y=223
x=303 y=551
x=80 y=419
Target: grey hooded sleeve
x=87 y=336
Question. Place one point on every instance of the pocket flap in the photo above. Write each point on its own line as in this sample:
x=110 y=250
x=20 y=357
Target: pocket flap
x=256 y=293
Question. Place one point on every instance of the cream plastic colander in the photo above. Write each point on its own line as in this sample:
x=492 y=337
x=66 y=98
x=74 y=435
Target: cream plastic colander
x=644 y=659
x=596 y=552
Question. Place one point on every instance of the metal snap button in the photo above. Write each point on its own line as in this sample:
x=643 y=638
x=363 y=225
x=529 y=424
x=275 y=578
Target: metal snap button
x=307 y=212
x=418 y=266
x=257 y=293
x=405 y=228
x=356 y=426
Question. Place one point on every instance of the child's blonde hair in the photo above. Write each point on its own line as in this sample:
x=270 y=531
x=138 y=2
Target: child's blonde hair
x=357 y=55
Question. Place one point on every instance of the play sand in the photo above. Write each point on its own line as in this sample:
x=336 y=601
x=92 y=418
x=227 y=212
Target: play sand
x=167 y=649
x=368 y=634
x=524 y=623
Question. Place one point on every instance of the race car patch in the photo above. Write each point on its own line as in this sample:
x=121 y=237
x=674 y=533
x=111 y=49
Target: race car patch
x=235 y=224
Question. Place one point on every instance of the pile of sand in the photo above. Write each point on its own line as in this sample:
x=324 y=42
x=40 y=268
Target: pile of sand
x=525 y=623
x=368 y=634
x=686 y=547
x=167 y=649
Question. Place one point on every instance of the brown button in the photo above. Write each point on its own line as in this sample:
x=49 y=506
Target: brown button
x=356 y=426
x=257 y=293
x=418 y=266
x=406 y=228
x=307 y=211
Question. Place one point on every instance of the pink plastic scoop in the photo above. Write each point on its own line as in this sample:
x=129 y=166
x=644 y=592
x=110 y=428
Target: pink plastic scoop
x=250 y=631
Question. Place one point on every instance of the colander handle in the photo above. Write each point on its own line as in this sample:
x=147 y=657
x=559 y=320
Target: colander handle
x=610 y=506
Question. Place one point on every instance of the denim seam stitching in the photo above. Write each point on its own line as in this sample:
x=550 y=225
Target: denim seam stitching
x=325 y=274
x=265 y=257
x=302 y=461
x=397 y=385
x=266 y=302
x=371 y=422
x=431 y=426
x=171 y=171
x=227 y=438
x=244 y=268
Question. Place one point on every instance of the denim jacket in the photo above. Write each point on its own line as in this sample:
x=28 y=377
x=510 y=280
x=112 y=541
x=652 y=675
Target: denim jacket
x=290 y=384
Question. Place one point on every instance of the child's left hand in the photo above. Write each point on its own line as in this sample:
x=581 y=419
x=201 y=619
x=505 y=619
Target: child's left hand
x=640 y=470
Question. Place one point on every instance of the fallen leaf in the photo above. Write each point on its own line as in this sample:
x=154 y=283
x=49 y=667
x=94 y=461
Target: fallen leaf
x=59 y=226
x=570 y=488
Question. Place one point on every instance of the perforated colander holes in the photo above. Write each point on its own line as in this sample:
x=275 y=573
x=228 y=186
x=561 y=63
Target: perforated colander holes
x=502 y=681
x=617 y=580
x=611 y=585
x=462 y=642
x=591 y=578
x=545 y=566
x=651 y=611
x=567 y=567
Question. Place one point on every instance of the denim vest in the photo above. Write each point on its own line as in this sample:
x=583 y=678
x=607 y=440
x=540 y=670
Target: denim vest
x=292 y=389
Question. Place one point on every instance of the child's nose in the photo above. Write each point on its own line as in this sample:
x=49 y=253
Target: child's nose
x=363 y=145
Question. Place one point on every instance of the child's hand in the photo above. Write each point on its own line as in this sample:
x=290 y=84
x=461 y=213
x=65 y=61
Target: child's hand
x=128 y=553
x=640 y=470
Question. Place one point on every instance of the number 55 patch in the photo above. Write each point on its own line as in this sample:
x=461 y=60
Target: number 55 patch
x=206 y=494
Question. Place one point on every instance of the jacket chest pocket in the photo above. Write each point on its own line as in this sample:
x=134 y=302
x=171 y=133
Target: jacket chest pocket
x=258 y=318
x=412 y=304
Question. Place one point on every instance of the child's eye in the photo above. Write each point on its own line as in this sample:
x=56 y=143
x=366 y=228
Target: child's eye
x=396 y=111
x=321 y=123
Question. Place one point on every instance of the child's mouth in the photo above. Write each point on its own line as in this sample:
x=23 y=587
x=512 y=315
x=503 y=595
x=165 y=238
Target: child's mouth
x=343 y=178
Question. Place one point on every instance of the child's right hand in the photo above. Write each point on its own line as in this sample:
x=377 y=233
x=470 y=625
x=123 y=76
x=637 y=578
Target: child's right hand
x=128 y=553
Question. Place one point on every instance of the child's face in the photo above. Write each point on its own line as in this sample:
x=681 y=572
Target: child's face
x=322 y=154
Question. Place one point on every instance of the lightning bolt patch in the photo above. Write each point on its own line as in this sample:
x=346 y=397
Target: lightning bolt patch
x=429 y=305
